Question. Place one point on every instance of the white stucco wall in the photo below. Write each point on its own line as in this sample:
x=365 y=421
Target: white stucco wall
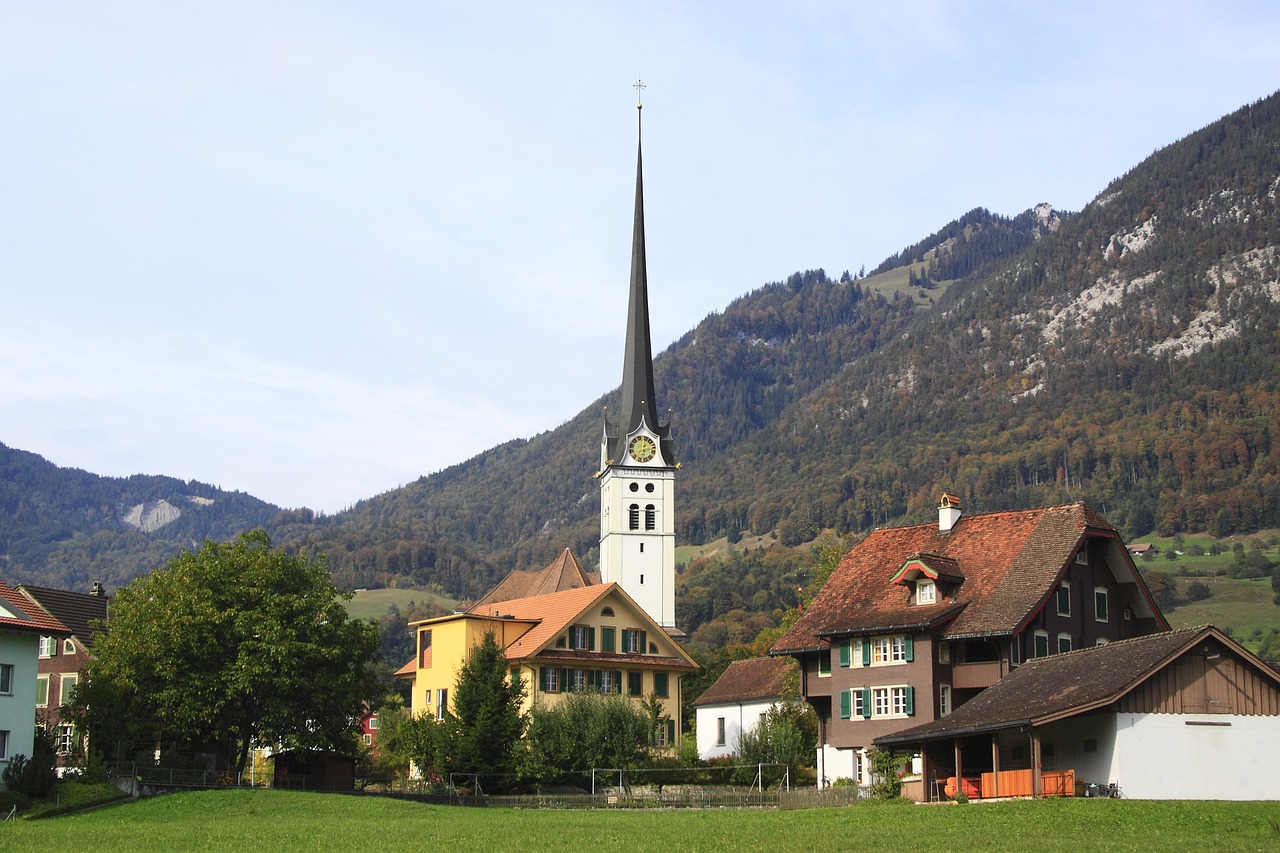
x=835 y=763
x=1197 y=756
x=737 y=719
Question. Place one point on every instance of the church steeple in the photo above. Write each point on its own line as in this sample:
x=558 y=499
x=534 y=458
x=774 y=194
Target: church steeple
x=637 y=462
x=639 y=406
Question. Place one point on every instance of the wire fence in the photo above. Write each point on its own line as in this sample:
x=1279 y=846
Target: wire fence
x=756 y=786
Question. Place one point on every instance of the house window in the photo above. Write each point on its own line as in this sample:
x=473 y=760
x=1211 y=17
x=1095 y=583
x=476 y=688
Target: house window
x=719 y=731
x=608 y=611
x=662 y=733
x=1042 y=643
x=1102 y=641
x=608 y=681
x=68 y=646
x=373 y=722
x=578 y=680
x=6 y=678
x=582 y=637
x=824 y=662
x=944 y=700
x=42 y=691
x=66 y=741
x=944 y=653
x=424 y=649
x=880 y=702
x=68 y=684
x=606 y=639
x=442 y=702
x=660 y=683
x=48 y=647
x=1064 y=643
x=633 y=517
x=1064 y=599
x=898 y=700
x=632 y=641
x=549 y=679
x=1015 y=651
x=635 y=683
x=4 y=745
x=368 y=739
x=1101 y=609
x=889 y=650
x=650 y=517
x=926 y=592
x=1082 y=556
x=858 y=704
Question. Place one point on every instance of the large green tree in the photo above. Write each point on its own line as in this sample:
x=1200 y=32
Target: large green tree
x=234 y=645
x=487 y=716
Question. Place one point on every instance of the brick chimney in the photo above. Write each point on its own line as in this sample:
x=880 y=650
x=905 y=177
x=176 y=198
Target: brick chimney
x=948 y=512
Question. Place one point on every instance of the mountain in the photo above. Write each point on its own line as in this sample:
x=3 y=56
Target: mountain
x=1126 y=355
x=67 y=528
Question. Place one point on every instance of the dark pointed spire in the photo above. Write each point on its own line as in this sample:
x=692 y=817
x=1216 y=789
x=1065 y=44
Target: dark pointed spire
x=638 y=398
x=637 y=369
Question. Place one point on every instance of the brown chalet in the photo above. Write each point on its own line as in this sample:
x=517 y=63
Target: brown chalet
x=916 y=621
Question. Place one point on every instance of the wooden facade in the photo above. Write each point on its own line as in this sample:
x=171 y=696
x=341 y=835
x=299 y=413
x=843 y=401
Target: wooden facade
x=1212 y=679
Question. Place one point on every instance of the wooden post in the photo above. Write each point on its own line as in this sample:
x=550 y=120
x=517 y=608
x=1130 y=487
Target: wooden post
x=959 y=777
x=1037 y=783
x=995 y=765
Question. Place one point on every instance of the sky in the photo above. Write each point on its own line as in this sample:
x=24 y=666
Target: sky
x=314 y=250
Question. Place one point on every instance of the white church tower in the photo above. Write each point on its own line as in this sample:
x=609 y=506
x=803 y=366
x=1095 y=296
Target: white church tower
x=637 y=462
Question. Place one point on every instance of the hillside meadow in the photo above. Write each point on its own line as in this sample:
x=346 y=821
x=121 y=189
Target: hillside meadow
x=280 y=820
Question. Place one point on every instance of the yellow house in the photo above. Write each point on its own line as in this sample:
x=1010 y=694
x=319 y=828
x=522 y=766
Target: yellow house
x=590 y=638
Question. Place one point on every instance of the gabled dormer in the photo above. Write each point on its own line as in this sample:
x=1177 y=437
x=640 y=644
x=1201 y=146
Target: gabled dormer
x=932 y=578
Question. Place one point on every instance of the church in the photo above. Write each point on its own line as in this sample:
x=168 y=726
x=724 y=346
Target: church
x=566 y=630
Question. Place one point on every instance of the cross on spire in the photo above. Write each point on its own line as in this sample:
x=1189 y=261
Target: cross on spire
x=639 y=86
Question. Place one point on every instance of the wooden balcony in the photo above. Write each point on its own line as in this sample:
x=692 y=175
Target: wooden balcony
x=965 y=676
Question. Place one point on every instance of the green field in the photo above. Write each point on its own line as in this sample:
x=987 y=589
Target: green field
x=373 y=603
x=280 y=820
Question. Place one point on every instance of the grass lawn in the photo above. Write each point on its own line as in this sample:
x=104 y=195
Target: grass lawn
x=373 y=603
x=218 y=820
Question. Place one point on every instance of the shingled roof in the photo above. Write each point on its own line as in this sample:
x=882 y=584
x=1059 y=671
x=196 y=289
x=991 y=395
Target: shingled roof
x=19 y=613
x=1057 y=686
x=1009 y=562
x=751 y=680
x=565 y=572
x=76 y=610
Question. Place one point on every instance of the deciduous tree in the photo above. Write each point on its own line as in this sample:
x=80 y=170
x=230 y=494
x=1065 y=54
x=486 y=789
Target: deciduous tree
x=235 y=645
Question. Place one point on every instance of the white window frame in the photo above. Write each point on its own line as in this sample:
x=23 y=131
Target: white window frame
x=66 y=739
x=66 y=683
x=442 y=702
x=1064 y=588
x=1082 y=556
x=606 y=681
x=42 y=679
x=579 y=636
x=879 y=702
x=1040 y=634
x=68 y=646
x=578 y=681
x=886 y=650
x=4 y=745
x=48 y=647
x=631 y=641
x=550 y=679
x=1064 y=639
x=944 y=652
x=926 y=592
x=720 y=733
x=367 y=738
x=944 y=700
x=1101 y=593
x=857 y=711
x=6 y=678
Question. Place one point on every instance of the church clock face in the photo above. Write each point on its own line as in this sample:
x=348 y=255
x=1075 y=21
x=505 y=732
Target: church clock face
x=642 y=448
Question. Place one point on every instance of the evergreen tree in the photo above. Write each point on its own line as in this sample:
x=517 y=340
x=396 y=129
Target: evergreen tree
x=486 y=706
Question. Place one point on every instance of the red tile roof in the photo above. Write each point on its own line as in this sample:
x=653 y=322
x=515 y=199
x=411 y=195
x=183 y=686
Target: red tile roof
x=19 y=613
x=565 y=572
x=1009 y=562
x=751 y=680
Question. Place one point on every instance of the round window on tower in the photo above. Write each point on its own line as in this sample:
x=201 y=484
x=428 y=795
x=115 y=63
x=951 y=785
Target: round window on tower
x=648 y=487
x=635 y=487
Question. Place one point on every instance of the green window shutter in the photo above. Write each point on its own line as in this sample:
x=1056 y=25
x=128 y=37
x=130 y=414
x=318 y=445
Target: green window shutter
x=846 y=704
x=846 y=653
x=671 y=732
x=866 y=651
x=911 y=701
x=542 y=678
x=606 y=639
x=591 y=639
x=644 y=642
x=909 y=647
x=866 y=703
x=565 y=684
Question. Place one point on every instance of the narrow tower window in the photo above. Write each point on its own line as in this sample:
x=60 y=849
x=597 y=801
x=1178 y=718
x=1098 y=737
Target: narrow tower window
x=633 y=515
x=650 y=517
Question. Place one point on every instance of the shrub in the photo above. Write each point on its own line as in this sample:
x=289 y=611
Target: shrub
x=10 y=799
x=1197 y=591
x=34 y=776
